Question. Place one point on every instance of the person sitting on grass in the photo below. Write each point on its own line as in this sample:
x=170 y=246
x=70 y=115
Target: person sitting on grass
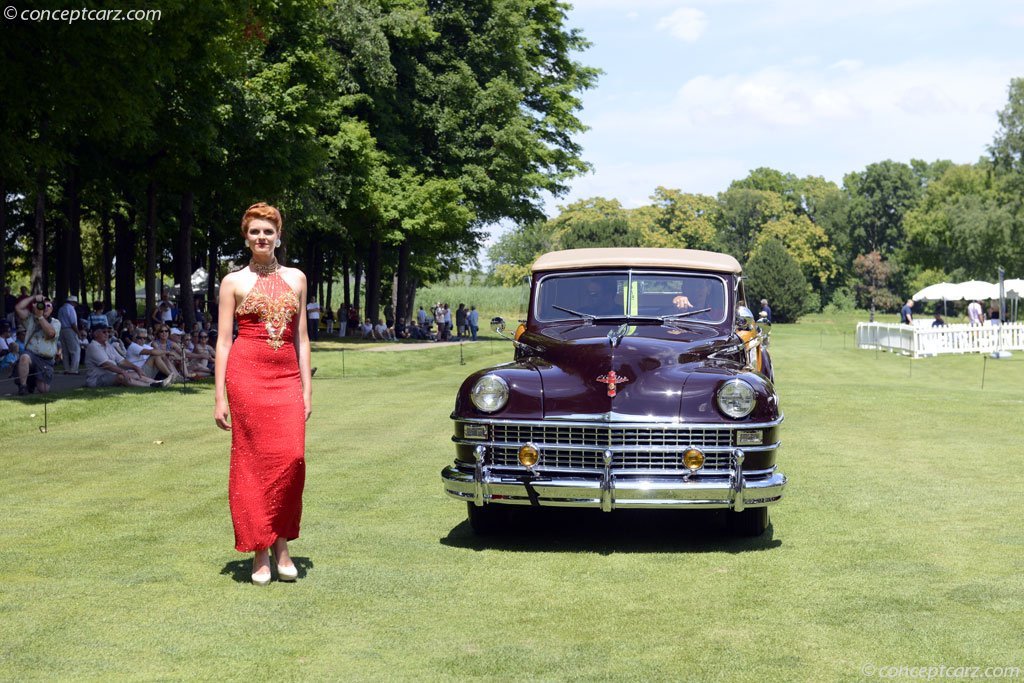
x=200 y=355
x=164 y=342
x=382 y=331
x=103 y=369
x=366 y=329
x=149 y=360
x=401 y=330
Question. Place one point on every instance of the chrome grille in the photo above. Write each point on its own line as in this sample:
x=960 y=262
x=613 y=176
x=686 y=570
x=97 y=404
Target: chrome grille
x=606 y=436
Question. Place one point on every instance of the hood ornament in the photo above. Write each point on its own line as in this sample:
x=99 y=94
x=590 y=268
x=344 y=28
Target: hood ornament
x=611 y=379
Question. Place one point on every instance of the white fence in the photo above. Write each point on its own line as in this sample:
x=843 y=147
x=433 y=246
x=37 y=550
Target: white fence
x=930 y=341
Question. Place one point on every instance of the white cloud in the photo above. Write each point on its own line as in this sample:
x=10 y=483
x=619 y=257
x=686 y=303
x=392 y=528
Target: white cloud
x=685 y=23
x=848 y=65
x=813 y=121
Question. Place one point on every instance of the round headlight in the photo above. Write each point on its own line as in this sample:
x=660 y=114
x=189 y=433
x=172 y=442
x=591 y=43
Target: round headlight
x=490 y=393
x=736 y=398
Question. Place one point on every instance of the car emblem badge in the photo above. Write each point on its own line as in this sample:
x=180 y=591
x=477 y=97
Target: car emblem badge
x=611 y=379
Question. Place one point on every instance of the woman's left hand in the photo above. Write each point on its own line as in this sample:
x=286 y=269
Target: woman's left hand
x=307 y=403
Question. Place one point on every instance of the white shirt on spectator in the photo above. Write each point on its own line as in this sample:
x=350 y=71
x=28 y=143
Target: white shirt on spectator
x=313 y=310
x=135 y=356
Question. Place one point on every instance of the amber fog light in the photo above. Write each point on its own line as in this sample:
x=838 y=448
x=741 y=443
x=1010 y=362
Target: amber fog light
x=529 y=455
x=693 y=459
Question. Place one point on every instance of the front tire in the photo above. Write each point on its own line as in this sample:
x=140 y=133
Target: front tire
x=487 y=519
x=750 y=523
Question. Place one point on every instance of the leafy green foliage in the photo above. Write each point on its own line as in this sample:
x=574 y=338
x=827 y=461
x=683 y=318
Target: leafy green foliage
x=774 y=275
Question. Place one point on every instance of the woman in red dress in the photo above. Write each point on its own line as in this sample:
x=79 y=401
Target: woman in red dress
x=266 y=374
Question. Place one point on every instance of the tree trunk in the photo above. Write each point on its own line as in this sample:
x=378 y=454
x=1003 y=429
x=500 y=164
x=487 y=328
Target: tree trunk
x=3 y=243
x=106 y=260
x=183 y=261
x=355 y=291
x=344 y=278
x=62 y=250
x=78 y=265
x=124 y=255
x=402 y=281
x=413 y=285
x=308 y=256
x=373 y=281
x=76 y=262
x=330 y=282
x=150 y=248
x=40 y=283
x=211 y=277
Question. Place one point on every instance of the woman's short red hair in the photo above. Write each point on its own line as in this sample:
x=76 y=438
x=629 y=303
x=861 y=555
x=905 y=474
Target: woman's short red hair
x=261 y=210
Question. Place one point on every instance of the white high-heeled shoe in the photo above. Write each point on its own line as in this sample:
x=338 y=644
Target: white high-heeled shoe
x=286 y=573
x=262 y=580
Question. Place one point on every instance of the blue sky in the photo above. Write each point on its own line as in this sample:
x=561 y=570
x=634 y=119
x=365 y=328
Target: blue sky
x=696 y=94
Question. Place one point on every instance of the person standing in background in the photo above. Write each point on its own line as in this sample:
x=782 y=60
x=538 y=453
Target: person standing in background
x=907 y=313
x=460 y=322
x=473 y=320
x=313 y=316
x=974 y=313
x=766 y=310
x=71 y=347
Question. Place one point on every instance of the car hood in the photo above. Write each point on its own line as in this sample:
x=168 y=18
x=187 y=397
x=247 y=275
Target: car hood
x=660 y=372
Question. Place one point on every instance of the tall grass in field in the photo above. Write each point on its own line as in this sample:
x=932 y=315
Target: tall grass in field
x=508 y=302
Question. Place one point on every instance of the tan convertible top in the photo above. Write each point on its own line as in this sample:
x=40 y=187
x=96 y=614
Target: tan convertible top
x=637 y=257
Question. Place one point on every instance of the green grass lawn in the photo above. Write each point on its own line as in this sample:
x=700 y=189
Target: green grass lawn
x=899 y=542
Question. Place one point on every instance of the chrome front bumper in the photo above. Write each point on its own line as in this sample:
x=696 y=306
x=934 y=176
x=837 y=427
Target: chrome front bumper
x=731 y=489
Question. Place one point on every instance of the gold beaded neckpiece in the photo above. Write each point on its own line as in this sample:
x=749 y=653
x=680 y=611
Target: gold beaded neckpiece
x=262 y=270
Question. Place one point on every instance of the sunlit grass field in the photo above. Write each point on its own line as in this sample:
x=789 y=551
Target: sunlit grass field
x=899 y=543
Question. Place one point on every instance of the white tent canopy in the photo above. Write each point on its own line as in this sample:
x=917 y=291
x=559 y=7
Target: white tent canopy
x=943 y=291
x=1014 y=288
x=199 y=278
x=977 y=290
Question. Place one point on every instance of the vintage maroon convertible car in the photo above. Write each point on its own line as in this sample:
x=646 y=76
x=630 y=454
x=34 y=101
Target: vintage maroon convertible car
x=640 y=380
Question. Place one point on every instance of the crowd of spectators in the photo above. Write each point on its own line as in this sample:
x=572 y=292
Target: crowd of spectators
x=108 y=347
x=435 y=325
x=115 y=348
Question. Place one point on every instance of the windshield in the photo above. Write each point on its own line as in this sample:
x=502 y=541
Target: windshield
x=695 y=297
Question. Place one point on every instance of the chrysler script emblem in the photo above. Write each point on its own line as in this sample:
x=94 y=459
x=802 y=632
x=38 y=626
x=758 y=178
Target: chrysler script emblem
x=611 y=379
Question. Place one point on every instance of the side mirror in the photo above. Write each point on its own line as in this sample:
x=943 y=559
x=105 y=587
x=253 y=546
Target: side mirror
x=744 y=318
x=498 y=324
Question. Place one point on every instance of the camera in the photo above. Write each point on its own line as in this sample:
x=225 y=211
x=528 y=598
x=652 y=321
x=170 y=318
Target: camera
x=41 y=305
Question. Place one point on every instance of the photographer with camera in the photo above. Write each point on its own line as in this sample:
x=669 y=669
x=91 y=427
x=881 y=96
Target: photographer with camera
x=41 y=333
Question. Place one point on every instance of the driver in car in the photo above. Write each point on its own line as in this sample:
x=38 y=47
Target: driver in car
x=599 y=297
x=696 y=297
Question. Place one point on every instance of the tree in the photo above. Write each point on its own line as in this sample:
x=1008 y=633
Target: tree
x=872 y=285
x=744 y=212
x=1007 y=149
x=680 y=220
x=773 y=274
x=879 y=197
x=964 y=224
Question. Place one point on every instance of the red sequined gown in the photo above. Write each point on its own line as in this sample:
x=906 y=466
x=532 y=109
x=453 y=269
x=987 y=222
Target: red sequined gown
x=268 y=418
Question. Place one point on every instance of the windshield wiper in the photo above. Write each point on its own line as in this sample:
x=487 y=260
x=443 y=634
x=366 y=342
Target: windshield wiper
x=585 y=316
x=684 y=314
